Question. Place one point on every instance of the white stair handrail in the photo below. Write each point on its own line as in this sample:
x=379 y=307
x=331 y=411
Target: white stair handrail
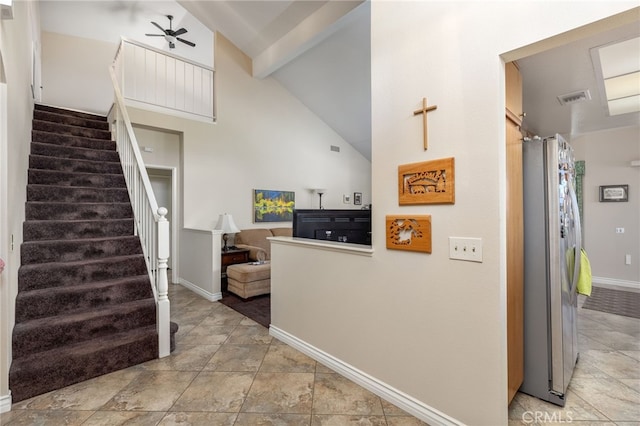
x=151 y=224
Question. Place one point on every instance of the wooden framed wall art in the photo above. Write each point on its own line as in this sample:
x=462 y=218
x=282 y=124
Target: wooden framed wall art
x=428 y=182
x=409 y=232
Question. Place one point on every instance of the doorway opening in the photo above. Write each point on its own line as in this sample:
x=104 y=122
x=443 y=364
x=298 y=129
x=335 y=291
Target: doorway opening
x=163 y=183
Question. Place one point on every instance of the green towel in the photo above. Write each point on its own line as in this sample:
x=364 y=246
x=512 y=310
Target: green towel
x=584 y=280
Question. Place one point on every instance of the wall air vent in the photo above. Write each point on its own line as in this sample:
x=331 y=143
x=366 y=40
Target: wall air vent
x=574 y=97
x=6 y=11
x=335 y=148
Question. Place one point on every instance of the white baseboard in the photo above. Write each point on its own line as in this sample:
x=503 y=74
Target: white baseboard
x=5 y=403
x=388 y=393
x=212 y=297
x=615 y=283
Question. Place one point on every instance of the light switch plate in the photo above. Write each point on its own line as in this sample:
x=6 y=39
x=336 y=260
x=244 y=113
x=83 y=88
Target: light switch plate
x=469 y=249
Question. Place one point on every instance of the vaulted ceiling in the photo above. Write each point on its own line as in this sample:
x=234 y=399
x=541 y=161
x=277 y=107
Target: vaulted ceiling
x=320 y=51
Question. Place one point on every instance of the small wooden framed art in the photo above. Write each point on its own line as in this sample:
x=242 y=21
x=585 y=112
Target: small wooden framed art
x=409 y=232
x=428 y=182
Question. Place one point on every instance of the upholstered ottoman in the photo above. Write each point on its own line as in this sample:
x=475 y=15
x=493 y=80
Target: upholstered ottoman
x=248 y=279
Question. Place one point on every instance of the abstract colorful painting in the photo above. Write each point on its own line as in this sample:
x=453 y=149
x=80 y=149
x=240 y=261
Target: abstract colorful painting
x=273 y=206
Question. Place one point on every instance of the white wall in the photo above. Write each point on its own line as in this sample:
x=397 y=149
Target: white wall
x=200 y=262
x=165 y=146
x=607 y=157
x=264 y=138
x=16 y=40
x=431 y=328
x=75 y=72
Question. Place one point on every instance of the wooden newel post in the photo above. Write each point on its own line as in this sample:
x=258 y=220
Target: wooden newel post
x=162 y=285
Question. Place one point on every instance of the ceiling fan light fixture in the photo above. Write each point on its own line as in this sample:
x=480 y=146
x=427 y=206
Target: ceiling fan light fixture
x=171 y=40
x=170 y=35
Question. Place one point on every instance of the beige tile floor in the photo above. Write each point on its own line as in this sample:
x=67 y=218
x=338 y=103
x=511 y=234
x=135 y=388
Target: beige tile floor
x=227 y=370
x=605 y=388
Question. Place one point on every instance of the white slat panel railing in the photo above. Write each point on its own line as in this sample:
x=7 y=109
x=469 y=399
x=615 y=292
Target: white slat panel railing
x=152 y=77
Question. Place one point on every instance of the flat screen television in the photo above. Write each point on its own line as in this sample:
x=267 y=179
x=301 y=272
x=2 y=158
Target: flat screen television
x=345 y=226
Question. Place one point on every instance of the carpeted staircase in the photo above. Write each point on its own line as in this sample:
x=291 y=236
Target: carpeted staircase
x=85 y=306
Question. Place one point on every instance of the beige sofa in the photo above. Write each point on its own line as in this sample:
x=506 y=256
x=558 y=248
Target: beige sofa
x=247 y=279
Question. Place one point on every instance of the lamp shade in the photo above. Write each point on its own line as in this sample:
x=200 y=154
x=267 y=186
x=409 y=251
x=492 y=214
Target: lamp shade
x=226 y=224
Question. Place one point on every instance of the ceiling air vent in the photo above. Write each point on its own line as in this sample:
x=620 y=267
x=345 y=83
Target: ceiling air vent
x=574 y=97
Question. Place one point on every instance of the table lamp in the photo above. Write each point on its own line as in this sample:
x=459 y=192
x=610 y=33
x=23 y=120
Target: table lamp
x=227 y=226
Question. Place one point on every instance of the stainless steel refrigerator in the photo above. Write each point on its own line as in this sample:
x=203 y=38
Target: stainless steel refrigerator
x=552 y=247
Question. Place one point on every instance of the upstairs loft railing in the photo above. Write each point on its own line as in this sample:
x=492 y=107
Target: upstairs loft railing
x=152 y=79
x=151 y=224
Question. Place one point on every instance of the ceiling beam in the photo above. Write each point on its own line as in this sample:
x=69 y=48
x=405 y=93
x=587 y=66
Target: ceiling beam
x=309 y=33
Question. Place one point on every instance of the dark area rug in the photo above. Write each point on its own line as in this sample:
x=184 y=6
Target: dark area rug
x=257 y=308
x=618 y=302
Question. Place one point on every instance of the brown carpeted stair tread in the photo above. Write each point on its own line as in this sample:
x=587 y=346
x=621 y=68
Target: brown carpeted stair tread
x=74 y=120
x=73 y=165
x=51 y=301
x=74 y=152
x=60 y=178
x=57 y=193
x=73 y=141
x=54 y=274
x=87 y=346
x=69 y=112
x=70 y=130
x=71 y=250
x=46 y=371
x=38 y=230
x=43 y=334
x=46 y=210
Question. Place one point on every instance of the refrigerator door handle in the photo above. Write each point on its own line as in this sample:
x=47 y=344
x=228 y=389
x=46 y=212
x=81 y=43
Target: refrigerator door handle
x=578 y=237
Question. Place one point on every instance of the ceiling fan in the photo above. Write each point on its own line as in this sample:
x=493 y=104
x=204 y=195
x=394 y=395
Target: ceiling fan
x=170 y=35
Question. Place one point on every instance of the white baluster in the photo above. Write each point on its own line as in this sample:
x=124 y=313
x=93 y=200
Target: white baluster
x=151 y=228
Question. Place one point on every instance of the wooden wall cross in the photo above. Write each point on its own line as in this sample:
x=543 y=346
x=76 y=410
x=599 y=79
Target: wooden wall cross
x=424 y=110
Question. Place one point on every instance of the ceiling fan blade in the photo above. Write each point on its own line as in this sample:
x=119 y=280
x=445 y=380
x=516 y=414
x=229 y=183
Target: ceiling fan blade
x=186 y=42
x=155 y=35
x=161 y=29
x=179 y=32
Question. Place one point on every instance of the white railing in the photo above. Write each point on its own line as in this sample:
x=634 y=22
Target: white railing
x=154 y=79
x=151 y=224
